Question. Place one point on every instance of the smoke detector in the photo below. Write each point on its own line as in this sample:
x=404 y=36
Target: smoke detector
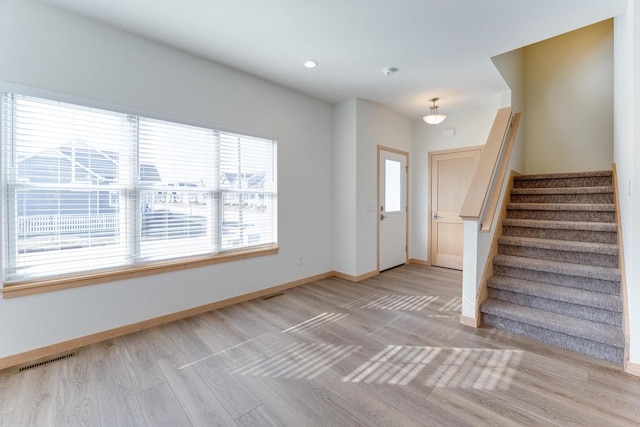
x=389 y=70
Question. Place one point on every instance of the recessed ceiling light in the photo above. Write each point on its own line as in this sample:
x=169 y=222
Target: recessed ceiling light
x=310 y=63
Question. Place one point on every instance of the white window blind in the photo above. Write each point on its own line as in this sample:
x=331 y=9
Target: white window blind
x=247 y=192
x=178 y=201
x=88 y=189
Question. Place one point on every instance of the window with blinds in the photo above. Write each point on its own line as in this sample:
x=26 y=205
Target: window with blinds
x=88 y=189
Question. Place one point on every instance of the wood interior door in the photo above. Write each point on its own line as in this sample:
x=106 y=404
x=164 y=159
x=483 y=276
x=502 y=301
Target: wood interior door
x=451 y=175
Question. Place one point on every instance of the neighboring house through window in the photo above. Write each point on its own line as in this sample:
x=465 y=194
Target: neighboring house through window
x=88 y=189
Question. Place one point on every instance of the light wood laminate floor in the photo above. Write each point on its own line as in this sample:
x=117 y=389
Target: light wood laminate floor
x=389 y=351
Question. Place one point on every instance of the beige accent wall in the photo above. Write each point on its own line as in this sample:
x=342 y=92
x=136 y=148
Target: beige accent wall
x=569 y=101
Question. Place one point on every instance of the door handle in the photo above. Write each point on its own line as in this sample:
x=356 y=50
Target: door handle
x=382 y=217
x=435 y=215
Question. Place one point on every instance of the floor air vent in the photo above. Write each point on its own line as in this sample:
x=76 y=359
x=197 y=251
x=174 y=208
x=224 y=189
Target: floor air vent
x=45 y=362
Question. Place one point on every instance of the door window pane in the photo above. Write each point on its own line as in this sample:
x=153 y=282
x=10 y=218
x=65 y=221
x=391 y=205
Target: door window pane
x=392 y=186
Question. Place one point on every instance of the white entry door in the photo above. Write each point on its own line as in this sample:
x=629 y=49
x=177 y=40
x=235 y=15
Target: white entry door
x=392 y=209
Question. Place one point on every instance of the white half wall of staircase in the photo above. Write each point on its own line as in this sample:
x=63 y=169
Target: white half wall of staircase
x=627 y=156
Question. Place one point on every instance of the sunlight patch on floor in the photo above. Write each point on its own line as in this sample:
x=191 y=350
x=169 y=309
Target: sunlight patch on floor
x=479 y=369
x=395 y=364
x=213 y=355
x=299 y=361
x=454 y=304
x=362 y=300
x=400 y=302
x=316 y=322
x=392 y=302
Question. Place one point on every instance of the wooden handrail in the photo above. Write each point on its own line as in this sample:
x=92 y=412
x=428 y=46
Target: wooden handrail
x=487 y=216
x=478 y=191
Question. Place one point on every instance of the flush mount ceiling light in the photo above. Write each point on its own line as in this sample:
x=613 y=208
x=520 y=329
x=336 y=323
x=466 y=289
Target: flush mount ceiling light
x=310 y=63
x=389 y=70
x=434 y=118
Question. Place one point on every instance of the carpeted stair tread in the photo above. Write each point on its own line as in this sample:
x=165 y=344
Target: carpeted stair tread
x=563 y=190
x=605 y=173
x=578 y=311
x=593 y=331
x=559 y=293
x=560 y=225
x=581 y=345
x=571 y=281
x=588 y=207
x=560 y=245
x=555 y=277
x=577 y=270
x=564 y=180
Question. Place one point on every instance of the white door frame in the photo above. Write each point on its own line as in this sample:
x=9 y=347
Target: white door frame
x=406 y=154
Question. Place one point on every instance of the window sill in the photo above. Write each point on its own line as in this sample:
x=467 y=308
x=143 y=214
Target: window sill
x=48 y=285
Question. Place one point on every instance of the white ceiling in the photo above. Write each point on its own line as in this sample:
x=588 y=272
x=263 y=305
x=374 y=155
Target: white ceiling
x=441 y=47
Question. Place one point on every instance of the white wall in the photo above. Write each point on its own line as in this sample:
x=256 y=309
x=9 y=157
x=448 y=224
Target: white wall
x=45 y=48
x=627 y=157
x=359 y=127
x=471 y=127
x=569 y=101
x=375 y=126
x=344 y=187
x=511 y=67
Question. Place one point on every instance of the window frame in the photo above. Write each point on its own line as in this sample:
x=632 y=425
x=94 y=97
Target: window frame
x=138 y=269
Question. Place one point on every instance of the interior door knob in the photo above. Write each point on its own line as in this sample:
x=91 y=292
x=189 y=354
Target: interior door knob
x=435 y=215
x=382 y=217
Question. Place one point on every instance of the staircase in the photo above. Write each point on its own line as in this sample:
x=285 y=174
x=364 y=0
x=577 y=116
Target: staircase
x=556 y=277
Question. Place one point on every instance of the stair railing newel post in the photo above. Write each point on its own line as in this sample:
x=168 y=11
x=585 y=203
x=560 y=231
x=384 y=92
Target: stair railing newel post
x=478 y=211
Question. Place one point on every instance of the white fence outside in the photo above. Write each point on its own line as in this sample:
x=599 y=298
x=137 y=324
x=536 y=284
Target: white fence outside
x=39 y=225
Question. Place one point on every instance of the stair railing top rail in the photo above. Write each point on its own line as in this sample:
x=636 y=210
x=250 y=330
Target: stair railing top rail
x=486 y=218
x=495 y=157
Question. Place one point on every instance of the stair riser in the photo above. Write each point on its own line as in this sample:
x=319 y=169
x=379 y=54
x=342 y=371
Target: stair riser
x=598 y=198
x=568 y=309
x=569 y=235
x=561 y=293
x=580 y=345
x=584 y=258
x=587 y=181
x=577 y=216
x=595 y=285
